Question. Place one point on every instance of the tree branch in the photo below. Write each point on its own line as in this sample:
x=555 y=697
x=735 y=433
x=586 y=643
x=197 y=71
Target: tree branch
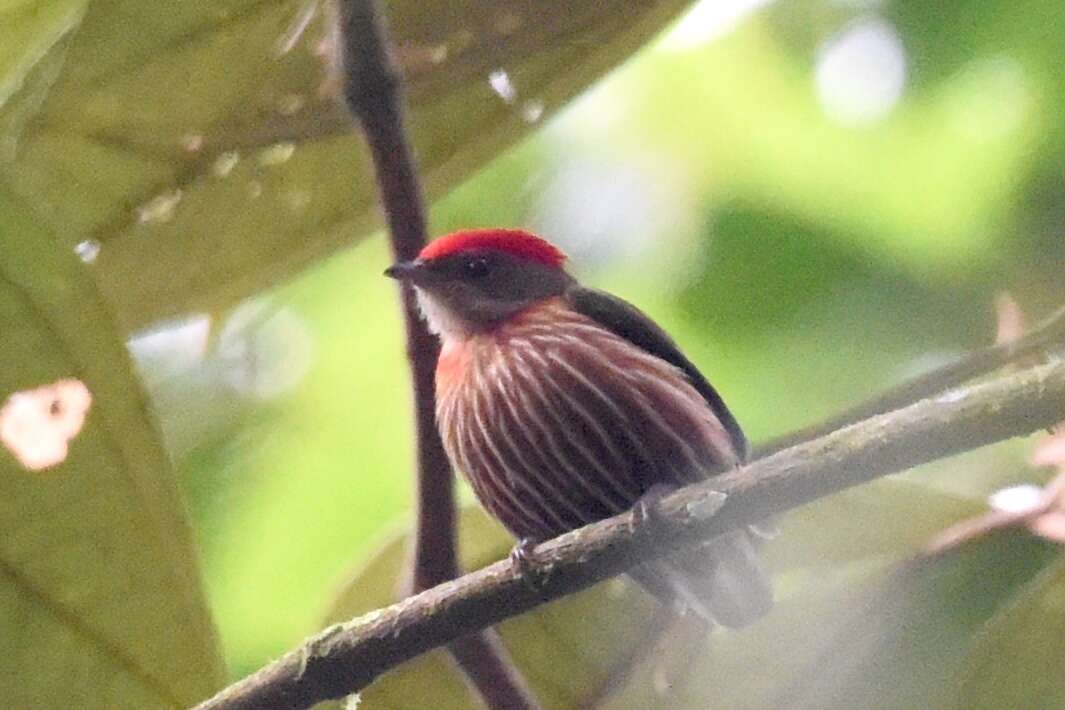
x=347 y=657
x=1036 y=343
x=373 y=93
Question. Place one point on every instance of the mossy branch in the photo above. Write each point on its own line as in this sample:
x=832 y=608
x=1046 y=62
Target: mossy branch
x=347 y=657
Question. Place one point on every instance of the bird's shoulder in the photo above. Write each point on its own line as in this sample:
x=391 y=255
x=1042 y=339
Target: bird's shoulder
x=630 y=323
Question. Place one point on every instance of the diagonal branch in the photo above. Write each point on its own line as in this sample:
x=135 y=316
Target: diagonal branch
x=347 y=657
x=1038 y=343
x=372 y=90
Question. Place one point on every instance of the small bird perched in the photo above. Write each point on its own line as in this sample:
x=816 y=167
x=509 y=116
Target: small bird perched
x=564 y=405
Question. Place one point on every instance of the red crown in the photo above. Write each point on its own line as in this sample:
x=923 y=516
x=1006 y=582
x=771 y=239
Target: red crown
x=510 y=241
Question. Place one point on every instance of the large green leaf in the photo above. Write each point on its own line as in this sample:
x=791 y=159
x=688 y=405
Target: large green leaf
x=210 y=163
x=100 y=599
x=1020 y=661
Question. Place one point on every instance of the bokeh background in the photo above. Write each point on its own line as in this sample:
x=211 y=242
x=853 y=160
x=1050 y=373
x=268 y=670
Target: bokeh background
x=816 y=197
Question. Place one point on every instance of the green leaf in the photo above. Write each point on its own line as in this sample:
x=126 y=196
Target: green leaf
x=210 y=162
x=1019 y=662
x=100 y=599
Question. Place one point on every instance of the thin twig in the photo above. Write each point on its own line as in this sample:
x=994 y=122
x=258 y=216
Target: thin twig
x=1047 y=335
x=972 y=529
x=1050 y=501
x=347 y=657
x=488 y=668
x=373 y=92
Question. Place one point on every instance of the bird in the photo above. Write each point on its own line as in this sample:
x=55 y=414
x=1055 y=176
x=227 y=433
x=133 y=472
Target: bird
x=563 y=405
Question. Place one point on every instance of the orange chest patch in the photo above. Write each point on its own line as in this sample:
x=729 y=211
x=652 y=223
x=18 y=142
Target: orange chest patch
x=450 y=366
x=462 y=359
x=457 y=356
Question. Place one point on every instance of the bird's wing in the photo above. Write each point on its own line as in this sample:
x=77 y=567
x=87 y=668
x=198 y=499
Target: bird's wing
x=626 y=321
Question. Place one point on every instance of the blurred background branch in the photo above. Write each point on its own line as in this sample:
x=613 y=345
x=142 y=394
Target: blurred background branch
x=373 y=91
x=1043 y=340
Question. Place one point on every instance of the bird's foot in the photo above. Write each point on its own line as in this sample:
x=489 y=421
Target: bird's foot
x=647 y=509
x=523 y=557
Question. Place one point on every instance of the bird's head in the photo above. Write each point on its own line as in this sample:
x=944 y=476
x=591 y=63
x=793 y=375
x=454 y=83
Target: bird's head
x=474 y=280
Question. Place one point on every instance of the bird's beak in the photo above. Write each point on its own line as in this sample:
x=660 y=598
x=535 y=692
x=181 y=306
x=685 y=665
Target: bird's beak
x=404 y=270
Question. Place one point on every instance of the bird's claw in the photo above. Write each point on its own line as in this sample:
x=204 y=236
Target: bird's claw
x=523 y=557
x=646 y=509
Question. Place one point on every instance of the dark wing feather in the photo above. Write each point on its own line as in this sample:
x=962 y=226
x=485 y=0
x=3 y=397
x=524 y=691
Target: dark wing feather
x=628 y=322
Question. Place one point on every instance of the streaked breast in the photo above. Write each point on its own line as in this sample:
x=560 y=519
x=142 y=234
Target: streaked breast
x=557 y=422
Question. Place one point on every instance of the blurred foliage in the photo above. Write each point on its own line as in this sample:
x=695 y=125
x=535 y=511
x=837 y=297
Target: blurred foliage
x=804 y=256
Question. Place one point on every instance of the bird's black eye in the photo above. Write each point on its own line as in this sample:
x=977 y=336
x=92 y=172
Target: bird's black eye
x=476 y=268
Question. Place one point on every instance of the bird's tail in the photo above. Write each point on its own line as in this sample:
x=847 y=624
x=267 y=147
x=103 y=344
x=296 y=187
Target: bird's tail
x=723 y=581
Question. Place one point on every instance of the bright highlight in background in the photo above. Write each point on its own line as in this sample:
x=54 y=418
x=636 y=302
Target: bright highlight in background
x=861 y=72
x=707 y=21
